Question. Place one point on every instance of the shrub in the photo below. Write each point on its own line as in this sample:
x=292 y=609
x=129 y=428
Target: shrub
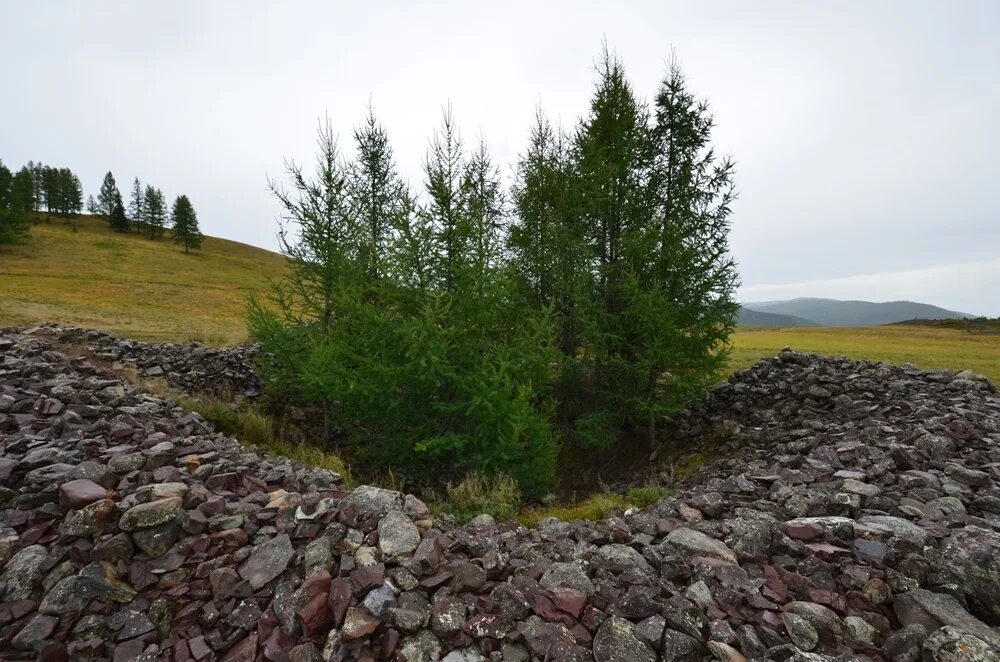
x=647 y=495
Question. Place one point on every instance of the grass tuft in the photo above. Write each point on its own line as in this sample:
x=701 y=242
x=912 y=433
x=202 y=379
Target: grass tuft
x=498 y=496
x=253 y=428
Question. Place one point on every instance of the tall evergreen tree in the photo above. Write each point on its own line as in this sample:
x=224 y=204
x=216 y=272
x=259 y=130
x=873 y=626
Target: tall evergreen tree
x=37 y=171
x=155 y=211
x=380 y=198
x=50 y=189
x=6 y=178
x=22 y=190
x=15 y=202
x=443 y=170
x=70 y=193
x=119 y=221
x=137 y=205
x=185 y=224
x=108 y=195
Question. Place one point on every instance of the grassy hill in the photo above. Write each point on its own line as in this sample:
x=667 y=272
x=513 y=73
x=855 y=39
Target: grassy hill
x=125 y=283
x=151 y=290
x=926 y=347
x=832 y=312
x=749 y=317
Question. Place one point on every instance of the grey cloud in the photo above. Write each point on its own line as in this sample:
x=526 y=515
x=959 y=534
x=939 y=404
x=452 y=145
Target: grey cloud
x=864 y=133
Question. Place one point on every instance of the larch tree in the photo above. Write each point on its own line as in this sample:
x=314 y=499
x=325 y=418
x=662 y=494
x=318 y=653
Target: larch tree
x=108 y=196
x=118 y=219
x=185 y=224
x=380 y=198
x=155 y=211
x=16 y=194
x=137 y=205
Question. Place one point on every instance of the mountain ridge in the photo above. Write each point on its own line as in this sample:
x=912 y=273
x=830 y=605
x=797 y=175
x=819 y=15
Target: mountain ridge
x=836 y=312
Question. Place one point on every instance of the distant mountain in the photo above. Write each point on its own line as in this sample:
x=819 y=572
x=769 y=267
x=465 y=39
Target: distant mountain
x=749 y=317
x=832 y=312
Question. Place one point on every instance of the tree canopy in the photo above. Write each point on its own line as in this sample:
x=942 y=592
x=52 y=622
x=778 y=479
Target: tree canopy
x=465 y=327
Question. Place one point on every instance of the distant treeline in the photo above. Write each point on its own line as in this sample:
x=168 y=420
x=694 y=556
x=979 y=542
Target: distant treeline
x=37 y=188
x=972 y=325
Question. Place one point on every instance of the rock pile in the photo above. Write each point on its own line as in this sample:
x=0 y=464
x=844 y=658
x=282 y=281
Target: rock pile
x=859 y=521
x=191 y=368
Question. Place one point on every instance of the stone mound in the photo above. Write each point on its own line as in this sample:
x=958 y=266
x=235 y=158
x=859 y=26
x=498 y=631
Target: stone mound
x=855 y=516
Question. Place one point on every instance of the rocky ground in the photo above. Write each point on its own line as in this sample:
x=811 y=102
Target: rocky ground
x=854 y=515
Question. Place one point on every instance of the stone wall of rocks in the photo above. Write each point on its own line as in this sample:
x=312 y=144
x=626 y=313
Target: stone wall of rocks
x=191 y=368
x=858 y=521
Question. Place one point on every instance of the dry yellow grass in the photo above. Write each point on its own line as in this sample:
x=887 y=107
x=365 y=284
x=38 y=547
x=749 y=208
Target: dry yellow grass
x=130 y=285
x=926 y=347
x=151 y=290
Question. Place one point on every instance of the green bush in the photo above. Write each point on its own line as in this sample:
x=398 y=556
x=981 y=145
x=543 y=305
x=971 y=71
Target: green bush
x=449 y=332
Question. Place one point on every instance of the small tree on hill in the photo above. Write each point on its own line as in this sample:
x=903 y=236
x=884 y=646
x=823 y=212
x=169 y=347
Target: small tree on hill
x=119 y=221
x=6 y=177
x=15 y=202
x=137 y=205
x=155 y=217
x=22 y=191
x=185 y=224
x=108 y=196
x=92 y=207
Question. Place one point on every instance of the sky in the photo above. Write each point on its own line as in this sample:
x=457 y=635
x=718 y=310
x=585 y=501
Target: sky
x=865 y=133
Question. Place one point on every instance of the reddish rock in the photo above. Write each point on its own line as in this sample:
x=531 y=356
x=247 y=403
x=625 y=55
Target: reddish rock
x=315 y=615
x=244 y=651
x=76 y=494
x=358 y=624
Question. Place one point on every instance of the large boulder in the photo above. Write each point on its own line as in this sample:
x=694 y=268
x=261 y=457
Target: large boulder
x=972 y=558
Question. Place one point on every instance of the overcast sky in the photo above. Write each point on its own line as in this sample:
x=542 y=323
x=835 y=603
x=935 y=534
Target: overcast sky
x=866 y=133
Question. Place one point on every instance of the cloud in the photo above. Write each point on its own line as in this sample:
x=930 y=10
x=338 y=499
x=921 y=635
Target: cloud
x=969 y=287
x=865 y=134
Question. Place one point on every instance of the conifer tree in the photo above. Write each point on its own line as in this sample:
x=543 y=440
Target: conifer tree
x=185 y=224
x=137 y=205
x=119 y=221
x=92 y=207
x=37 y=172
x=380 y=197
x=22 y=190
x=15 y=202
x=6 y=178
x=155 y=212
x=108 y=195
x=443 y=170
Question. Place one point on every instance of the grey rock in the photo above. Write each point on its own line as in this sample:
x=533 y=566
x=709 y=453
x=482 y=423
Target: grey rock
x=951 y=644
x=23 y=574
x=568 y=574
x=397 y=535
x=905 y=644
x=267 y=561
x=972 y=558
x=696 y=543
x=616 y=641
x=933 y=610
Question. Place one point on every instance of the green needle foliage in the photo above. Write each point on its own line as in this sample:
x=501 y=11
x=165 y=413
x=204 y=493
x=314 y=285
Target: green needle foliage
x=185 y=224
x=471 y=329
x=107 y=197
x=118 y=219
x=15 y=201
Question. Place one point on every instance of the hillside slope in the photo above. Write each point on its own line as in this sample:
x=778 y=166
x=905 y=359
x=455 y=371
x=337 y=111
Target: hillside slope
x=749 y=317
x=832 y=312
x=130 y=285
